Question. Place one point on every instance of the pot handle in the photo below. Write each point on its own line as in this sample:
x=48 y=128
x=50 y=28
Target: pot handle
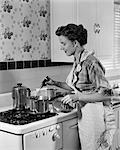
x=29 y=92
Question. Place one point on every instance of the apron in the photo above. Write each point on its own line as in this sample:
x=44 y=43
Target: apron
x=96 y=125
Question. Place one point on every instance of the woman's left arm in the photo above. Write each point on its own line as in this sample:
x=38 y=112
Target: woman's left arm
x=87 y=98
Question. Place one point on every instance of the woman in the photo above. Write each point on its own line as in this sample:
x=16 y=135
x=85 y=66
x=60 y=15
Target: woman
x=87 y=80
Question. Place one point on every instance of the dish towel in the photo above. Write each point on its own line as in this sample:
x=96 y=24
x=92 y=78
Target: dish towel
x=92 y=126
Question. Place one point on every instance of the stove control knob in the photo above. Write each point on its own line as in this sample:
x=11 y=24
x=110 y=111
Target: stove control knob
x=57 y=126
x=55 y=136
x=51 y=129
x=36 y=135
x=44 y=132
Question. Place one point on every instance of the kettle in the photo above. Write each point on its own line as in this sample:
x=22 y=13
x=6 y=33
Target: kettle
x=20 y=95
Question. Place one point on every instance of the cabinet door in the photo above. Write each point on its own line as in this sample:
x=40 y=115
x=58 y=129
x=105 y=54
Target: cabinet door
x=70 y=135
x=116 y=140
x=86 y=15
x=97 y=16
x=62 y=13
x=105 y=21
x=118 y=130
x=117 y=115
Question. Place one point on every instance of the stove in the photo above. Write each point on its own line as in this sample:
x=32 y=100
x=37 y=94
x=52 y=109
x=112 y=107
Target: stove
x=25 y=130
x=22 y=117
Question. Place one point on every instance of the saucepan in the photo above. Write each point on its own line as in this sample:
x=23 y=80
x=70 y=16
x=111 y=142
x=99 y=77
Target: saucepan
x=48 y=92
x=39 y=104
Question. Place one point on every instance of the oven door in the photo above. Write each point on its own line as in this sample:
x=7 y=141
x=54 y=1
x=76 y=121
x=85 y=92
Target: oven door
x=48 y=138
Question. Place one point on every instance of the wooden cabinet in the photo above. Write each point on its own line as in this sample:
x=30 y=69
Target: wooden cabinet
x=62 y=12
x=105 y=19
x=97 y=16
x=70 y=135
x=86 y=15
x=116 y=139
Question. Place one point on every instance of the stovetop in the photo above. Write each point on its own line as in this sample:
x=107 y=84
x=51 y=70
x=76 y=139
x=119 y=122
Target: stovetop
x=22 y=117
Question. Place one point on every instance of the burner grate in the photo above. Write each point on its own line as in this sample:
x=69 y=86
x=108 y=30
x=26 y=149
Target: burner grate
x=22 y=117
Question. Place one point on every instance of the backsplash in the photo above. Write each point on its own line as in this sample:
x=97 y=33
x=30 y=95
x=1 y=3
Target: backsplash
x=24 y=33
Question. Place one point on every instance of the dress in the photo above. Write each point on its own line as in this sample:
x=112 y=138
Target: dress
x=97 y=124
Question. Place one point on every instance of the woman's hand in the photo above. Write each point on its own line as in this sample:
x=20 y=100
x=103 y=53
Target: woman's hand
x=47 y=81
x=71 y=98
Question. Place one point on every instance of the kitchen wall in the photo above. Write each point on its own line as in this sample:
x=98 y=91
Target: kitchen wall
x=29 y=77
x=25 y=45
x=24 y=42
x=25 y=31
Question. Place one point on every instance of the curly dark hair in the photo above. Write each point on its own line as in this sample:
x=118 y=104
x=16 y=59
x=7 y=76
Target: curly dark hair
x=73 y=32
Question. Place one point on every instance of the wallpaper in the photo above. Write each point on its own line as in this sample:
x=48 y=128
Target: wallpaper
x=24 y=32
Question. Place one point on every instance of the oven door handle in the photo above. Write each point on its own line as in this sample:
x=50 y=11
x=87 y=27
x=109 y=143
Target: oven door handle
x=74 y=126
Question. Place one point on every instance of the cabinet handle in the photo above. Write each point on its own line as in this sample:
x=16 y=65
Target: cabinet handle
x=74 y=126
x=95 y=25
x=55 y=136
x=98 y=29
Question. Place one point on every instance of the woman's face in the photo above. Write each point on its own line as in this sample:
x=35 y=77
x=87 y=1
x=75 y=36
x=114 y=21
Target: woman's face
x=66 y=45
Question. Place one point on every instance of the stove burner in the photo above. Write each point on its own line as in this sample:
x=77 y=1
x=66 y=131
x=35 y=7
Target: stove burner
x=22 y=117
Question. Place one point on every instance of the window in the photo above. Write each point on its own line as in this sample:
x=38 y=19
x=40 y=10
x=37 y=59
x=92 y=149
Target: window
x=112 y=63
x=116 y=55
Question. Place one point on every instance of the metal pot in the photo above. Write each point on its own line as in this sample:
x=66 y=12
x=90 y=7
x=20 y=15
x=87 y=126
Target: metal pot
x=39 y=104
x=20 y=94
x=48 y=92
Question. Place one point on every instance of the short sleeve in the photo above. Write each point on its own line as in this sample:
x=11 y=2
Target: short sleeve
x=97 y=77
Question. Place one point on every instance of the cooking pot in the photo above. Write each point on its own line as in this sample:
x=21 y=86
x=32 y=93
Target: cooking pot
x=48 y=92
x=20 y=95
x=39 y=104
